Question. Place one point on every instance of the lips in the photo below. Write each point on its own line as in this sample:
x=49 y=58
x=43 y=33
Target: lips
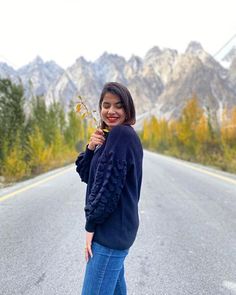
x=112 y=119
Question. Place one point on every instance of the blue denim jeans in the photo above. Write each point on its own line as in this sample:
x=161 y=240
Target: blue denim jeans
x=104 y=273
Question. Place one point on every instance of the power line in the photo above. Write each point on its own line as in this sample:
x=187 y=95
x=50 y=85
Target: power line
x=9 y=62
x=234 y=36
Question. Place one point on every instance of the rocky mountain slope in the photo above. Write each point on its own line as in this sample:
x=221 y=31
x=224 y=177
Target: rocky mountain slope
x=160 y=83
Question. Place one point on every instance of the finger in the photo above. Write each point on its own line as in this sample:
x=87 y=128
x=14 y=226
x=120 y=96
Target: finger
x=97 y=141
x=99 y=131
x=100 y=142
x=90 y=251
x=98 y=136
x=86 y=255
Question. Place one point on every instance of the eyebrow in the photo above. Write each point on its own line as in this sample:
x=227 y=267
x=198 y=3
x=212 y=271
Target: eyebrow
x=115 y=102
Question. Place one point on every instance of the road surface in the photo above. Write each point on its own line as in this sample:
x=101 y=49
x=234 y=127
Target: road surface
x=186 y=243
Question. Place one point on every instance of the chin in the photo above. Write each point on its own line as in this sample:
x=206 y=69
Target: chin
x=112 y=125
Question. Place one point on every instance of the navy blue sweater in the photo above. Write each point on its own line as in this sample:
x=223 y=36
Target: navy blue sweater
x=113 y=173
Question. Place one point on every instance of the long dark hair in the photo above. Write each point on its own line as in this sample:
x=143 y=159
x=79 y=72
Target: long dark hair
x=123 y=93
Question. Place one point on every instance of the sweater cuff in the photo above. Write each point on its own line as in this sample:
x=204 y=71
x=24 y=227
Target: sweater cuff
x=88 y=153
x=90 y=226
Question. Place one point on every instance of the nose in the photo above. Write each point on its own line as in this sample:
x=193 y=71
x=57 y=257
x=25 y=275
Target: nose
x=111 y=110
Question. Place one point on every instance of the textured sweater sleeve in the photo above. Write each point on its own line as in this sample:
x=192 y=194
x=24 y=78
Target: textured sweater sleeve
x=109 y=180
x=83 y=164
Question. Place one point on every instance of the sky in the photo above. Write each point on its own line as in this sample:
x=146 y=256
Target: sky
x=64 y=30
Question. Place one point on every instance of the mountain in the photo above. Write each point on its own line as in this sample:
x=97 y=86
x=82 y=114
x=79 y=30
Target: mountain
x=200 y=76
x=38 y=75
x=232 y=75
x=143 y=83
x=230 y=55
x=162 y=62
x=79 y=79
x=7 y=72
x=110 y=67
x=161 y=83
x=87 y=79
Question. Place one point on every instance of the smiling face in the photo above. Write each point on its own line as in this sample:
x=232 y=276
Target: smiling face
x=112 y=110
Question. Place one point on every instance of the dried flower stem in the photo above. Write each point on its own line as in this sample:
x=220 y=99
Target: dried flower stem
x=81 y=106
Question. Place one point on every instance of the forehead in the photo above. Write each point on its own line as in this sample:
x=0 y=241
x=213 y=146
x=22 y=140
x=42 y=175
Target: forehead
x=110 y=97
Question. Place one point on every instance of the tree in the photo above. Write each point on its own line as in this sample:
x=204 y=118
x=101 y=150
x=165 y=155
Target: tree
x=12 y=117
x=14 y=165
x=55 y=121
x=189 y=119
x=145 y=135
x=202 y=130
x=38 y=116
x=75 y=133
x=39 y=153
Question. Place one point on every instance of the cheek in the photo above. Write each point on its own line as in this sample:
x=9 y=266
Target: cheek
x=102 y=113
x=123 y=114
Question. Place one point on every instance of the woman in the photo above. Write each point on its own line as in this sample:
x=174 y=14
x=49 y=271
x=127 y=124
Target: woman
x=112 y=168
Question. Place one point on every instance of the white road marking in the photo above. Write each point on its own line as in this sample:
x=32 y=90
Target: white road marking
x=202 y=170
x=5 y=197
x=210 y=173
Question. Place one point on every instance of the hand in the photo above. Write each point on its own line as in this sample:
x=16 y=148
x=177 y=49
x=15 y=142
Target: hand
x=97 y=138
x=88 y=249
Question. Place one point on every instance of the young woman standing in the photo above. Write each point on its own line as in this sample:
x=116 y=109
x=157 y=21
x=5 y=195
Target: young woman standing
x=112 y=168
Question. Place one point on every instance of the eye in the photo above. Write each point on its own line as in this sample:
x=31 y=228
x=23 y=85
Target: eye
x=119 y=105
x=106 y=105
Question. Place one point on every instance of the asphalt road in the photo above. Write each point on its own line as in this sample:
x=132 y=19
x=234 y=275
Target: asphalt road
x=186 y=242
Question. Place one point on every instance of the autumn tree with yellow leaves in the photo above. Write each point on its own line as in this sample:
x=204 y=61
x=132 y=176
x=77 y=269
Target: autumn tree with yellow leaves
x=194 y=136
x=43 y=139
